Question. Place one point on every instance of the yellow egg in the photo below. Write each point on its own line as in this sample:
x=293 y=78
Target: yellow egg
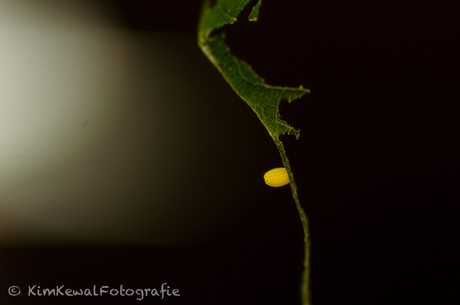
x=276 y=177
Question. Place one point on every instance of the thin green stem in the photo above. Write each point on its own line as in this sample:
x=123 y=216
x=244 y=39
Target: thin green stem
x=305 y=291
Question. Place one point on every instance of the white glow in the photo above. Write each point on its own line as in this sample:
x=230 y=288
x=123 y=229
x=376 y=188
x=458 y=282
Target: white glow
x=57 y=77
x=62 y=80
x=102 y=131
x=105 y=132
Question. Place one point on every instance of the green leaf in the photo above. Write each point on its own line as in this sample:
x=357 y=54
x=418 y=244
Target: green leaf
x=263 y=99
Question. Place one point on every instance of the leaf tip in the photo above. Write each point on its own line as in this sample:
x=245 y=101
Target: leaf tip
x=255 y=12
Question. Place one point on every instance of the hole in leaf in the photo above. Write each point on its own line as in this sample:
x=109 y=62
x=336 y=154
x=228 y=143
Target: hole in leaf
x=247 y=11
x=243 y=17
x=294 y=113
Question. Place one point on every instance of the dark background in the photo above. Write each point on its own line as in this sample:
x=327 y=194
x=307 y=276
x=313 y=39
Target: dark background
x=375 y=165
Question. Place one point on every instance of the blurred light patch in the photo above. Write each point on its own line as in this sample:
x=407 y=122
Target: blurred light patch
x=62 y=63
x=105 y=133
x=57 y=75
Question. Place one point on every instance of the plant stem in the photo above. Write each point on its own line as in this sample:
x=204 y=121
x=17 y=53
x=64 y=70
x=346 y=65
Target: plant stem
x=305 y=278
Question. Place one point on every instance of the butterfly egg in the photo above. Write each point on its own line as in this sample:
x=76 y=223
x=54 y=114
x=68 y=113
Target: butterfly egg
x=276 y=177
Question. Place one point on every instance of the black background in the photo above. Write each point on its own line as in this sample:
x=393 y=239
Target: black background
x=375 y=164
